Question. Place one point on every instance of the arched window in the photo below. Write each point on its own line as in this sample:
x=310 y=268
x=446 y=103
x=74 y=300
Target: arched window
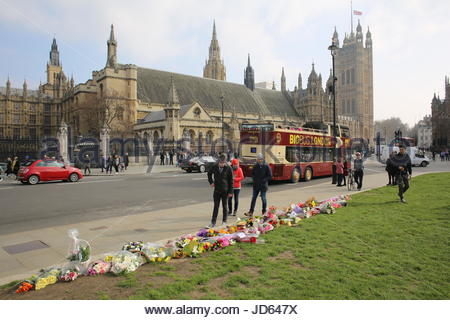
x=209 y=137
x=197 y=112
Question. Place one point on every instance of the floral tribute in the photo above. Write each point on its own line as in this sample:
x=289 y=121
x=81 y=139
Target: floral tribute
x=136 y=253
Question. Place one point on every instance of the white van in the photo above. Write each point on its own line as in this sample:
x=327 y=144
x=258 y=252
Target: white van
x=418 y=159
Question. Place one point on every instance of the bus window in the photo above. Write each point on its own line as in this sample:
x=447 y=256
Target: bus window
x=292 y=154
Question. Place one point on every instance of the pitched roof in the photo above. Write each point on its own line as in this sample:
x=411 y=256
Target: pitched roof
x=19 y=92
x=153 y=86
x=161 y=115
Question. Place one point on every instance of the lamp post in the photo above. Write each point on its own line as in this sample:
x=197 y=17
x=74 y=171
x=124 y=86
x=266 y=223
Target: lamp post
x=332 y=49
x=223 y=136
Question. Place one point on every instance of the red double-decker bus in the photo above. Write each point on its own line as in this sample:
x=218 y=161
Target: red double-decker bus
x=293 y=153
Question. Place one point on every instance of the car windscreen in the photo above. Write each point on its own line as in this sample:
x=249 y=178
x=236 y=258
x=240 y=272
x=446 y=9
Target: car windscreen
x=27 y=163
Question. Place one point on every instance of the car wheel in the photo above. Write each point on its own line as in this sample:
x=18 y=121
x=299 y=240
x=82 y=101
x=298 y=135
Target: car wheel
x=33 y=179
x=189 y=170
x=202 y=169
x=73 y=177
x=295 y=175
x=308 y=174
x=424 y=164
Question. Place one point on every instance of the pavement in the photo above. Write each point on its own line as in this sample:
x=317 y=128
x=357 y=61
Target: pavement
x=23 y=253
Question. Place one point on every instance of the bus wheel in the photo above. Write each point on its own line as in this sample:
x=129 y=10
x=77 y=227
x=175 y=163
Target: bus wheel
x=295 y=176
x=308 y=174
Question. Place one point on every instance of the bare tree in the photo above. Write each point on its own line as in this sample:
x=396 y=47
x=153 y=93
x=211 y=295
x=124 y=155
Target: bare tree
x=387 y=128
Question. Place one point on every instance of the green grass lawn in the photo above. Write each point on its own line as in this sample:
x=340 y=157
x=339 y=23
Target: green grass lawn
x=376 y=248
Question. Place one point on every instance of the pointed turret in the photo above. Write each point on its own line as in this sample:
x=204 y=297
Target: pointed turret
x=54 y=54
x=312 y=76
x=25 y=88
x=300 y=84
x=359 y=34
x=368 y=39
x=249 y=79
x=8 y=87
x=335 y=38
x=111 y=60
x=214 y=67
x=72 y=82
x=173 y=99
x=283 y=80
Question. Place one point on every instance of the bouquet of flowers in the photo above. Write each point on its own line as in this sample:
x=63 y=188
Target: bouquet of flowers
x=25 y=286
x=124 y=262
x=156 y=253
x=99 y=267
x=79 y=250
x=68 y=275
x=47 y=277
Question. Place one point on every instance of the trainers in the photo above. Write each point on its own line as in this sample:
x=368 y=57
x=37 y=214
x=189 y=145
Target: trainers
x=402 y=200
x=211 y=225
x=234 y=213
x=248 y=214
x=224 y=222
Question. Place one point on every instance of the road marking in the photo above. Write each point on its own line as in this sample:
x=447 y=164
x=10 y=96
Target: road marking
x=202 y=178
x=84 y=182
x=6 y=188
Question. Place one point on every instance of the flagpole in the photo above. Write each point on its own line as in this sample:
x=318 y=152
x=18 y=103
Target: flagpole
x=351 y=16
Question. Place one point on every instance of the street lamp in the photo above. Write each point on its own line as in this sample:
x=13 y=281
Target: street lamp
x=223 y=137
x=333 y=49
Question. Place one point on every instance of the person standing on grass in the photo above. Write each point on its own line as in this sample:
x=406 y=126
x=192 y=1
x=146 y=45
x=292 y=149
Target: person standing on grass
x=220 y=178
x=238 y=176
x=339 y=171
x=390 y=168
x=402 y=163
x=358 y=168
x=261 y=174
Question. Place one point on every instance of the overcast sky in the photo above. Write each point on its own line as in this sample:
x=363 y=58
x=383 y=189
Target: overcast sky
x=410 y=41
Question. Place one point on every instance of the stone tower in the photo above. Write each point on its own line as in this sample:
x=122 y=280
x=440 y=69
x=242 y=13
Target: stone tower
x=249 y=77
x=172 y=112
x=54 y=67
x=214 y=67
x=111 y=60
x=283 y=80
x=354 y=85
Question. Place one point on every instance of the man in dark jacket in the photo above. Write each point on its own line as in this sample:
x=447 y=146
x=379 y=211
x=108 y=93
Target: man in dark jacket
x=402 y=164
x=220 y=177
x=126 y=160
x=261 y=174
x=358 y=169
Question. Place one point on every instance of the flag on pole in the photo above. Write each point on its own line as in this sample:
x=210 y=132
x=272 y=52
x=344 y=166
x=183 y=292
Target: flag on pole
x=357 y=13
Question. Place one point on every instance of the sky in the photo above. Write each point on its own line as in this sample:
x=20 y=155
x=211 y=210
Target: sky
x=410 y=41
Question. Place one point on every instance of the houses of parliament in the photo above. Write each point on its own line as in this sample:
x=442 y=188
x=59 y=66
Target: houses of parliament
x=158 y=104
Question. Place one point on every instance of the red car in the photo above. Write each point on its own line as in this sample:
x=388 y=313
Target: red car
x=47 y=170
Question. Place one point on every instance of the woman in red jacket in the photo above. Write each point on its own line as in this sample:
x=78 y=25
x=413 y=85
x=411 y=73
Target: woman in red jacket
x=238 y=176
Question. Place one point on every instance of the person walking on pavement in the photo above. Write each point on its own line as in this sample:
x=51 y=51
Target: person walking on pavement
x=358 y=168
x=220 y=178
x=126 y=160
x=171 y=158
x=9 y=166
x=102 y=162
x=116 y=163
x=238 y=176
x=109 y=164
x=402 y=163
x=339 y=171
x=87 y=164
x=261 y=174
x=161 y=158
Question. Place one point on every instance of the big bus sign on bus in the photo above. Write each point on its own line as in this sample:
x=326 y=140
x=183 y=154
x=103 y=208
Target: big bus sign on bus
x=293 y=153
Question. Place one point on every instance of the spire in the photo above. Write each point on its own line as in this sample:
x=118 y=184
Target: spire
x=368 y=39
x=111 y=34
x=173 y=95
x=111 y=60
x=359 y=34
x=54 y=54
x=72 y=82
x=283 y=80
x=214 y=67
x=335 y=38
x=299 y=84
x=249 y=79
x=8 y=87
x=25 y=88
x=313 y=75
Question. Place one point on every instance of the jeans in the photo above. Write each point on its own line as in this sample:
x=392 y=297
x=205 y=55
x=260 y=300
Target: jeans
x=220 y=196
x=87 y=168
x=359 y=174
x=340 y=178
x=403 y=184
x=256 y=192
x=236 y=201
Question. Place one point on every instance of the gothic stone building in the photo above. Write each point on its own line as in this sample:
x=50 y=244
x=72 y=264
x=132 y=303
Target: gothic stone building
x=160 y=104
x=440 y=115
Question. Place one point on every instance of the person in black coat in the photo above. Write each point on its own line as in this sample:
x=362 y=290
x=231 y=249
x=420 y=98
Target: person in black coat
x=390 y=168
x=261 y=174
x=403 y=171
x=9 y=167
x=220 y=177
x=126 y=160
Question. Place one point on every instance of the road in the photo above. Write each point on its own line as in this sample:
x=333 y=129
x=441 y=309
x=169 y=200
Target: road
x=26 y=207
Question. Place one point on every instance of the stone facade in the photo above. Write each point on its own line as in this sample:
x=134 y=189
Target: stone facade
x=424 y=133
x=34 y=114
x=440 y=119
